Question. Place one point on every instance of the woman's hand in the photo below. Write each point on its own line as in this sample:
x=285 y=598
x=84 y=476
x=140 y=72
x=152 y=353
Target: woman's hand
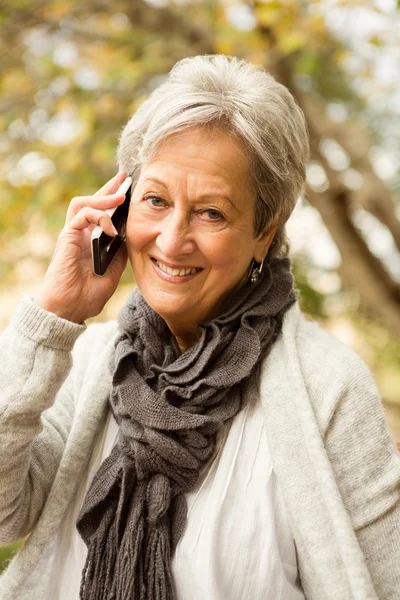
x=70 y=289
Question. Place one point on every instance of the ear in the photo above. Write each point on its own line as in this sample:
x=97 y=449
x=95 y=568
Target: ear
x=263 y=242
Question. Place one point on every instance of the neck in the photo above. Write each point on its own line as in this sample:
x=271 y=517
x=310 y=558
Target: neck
x=186 y=338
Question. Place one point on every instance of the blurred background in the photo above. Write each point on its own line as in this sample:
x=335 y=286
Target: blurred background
x=71 y=74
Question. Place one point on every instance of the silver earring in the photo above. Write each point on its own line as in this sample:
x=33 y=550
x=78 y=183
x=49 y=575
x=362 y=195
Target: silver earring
x=255 y=271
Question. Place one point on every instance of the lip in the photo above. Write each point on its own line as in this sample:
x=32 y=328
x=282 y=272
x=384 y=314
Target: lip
x=172 y=278
x=172 y=266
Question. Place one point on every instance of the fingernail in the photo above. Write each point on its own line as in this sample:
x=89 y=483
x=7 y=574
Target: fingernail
x=115 y=231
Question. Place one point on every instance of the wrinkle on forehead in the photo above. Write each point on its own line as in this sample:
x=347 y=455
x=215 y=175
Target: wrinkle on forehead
x=226 y=158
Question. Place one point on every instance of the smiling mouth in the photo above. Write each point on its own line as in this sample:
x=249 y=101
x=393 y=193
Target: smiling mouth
x=176 y=271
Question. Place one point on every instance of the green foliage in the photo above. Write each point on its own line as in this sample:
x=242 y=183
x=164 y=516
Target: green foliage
x=381 y=349
x=311 y=301
x=95 y=63
x=73 y=73
x=7 y=553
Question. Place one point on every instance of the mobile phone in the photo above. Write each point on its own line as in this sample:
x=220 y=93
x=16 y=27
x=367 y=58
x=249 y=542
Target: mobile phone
x=105 y=247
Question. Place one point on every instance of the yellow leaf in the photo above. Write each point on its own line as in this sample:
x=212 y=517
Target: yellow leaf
x=268 y=15
x=224 y=46
x=101 y=154
x=55 y=10
x=292 y=41
x=70 y=161
x=317 y=24
x=16 y=80
x=106 y=106
x=340 y=55
x=376 y=40
x=51 y=193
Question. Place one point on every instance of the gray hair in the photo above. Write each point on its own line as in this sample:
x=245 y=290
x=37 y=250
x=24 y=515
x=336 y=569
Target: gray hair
x=246 y=102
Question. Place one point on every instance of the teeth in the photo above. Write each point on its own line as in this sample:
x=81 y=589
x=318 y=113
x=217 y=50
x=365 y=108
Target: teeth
x=176 y=272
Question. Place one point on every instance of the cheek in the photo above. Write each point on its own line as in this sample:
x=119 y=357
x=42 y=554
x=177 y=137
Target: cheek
x=138 y=232
x=227 y=254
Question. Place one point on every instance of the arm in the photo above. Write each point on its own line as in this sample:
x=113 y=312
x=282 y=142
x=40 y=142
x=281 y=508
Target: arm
x=36 y=411
x=366 y=464
x=35 y=360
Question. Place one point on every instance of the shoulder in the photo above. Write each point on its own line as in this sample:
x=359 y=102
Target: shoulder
x=327 y=371
x=316 y=347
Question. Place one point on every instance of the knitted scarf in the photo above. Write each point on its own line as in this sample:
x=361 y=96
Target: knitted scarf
x=169 y=407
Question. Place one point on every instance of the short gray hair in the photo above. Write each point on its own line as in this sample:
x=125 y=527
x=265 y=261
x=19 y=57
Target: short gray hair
x=245 y=101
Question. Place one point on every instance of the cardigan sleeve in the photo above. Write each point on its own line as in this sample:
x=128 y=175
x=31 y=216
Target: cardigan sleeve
x=366 y=464
x=36 y=411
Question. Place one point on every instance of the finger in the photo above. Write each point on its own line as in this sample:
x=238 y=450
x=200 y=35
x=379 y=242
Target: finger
x=99 y=202
x=91 y=216
x=118 y=263
x=111 y=186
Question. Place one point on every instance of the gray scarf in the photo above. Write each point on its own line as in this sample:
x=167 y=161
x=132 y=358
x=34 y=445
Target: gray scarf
x=169 y=407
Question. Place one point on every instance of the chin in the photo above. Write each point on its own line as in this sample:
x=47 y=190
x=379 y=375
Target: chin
x=165 y=305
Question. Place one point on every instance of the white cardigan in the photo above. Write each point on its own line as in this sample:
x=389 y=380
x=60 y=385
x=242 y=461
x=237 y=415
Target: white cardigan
x=336 y=462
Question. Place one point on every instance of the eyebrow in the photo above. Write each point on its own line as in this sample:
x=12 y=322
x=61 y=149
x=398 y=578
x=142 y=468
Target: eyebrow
x=209 y=195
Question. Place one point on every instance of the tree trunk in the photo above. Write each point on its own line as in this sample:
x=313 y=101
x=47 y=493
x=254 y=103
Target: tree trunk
x=360 y=269
x=374 y=196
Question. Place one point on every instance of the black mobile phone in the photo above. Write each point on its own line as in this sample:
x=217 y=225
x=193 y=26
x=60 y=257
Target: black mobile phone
x=105 y=247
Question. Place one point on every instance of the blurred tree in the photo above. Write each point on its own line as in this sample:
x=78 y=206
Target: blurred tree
x=72 y=74
x=299 y=43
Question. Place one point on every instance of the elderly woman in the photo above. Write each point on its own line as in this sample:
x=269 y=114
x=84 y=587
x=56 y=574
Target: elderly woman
x=213 y=444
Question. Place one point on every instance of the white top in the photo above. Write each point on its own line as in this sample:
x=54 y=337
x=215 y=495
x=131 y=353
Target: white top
x=237 y=544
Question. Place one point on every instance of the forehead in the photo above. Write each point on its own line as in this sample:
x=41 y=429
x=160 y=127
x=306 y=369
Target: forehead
x=209 y=152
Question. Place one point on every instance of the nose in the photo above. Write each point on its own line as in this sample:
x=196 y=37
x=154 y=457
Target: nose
x=176 y=236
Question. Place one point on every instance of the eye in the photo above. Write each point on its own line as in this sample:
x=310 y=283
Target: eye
x=213 y=215
x=155 y=201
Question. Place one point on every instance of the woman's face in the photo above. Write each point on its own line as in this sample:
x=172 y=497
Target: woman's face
x=190 y=232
